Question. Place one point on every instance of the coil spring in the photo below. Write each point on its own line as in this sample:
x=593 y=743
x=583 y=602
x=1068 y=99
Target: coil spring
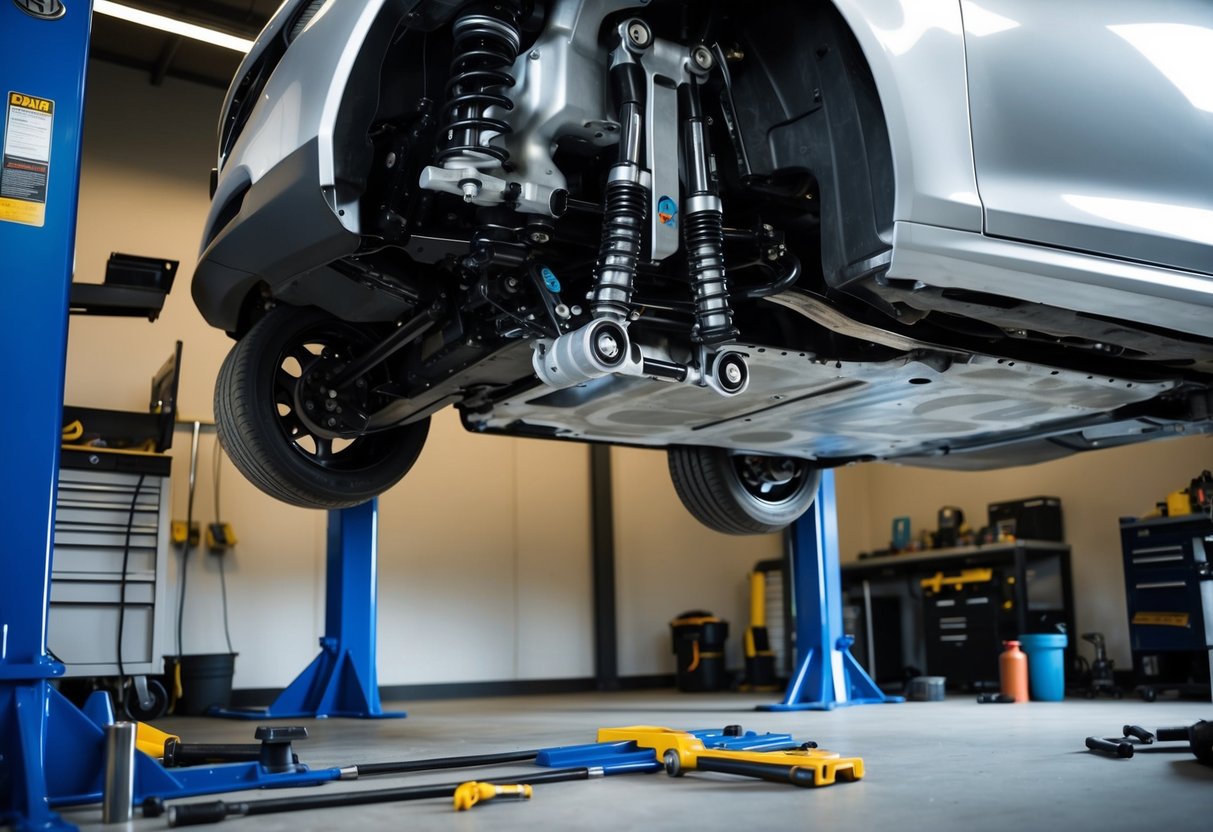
x=486 y=42
x=704 y=234
x=626 y=209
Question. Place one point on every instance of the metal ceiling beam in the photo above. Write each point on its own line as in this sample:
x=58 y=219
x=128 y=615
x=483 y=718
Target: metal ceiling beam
x=171 y=44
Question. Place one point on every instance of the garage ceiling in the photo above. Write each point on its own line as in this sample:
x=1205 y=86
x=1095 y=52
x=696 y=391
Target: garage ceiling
x=162 y=55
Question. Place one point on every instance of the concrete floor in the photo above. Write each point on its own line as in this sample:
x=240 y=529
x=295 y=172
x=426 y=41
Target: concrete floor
x=947 y=765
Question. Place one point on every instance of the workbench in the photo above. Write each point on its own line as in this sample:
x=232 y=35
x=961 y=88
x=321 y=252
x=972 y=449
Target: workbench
x=885 y=600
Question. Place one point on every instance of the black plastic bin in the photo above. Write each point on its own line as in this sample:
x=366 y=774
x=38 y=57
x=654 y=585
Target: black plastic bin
x=206 y=681
x=699 y=639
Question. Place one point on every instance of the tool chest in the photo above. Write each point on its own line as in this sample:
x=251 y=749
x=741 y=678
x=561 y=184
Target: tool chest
x=966 y=617
x=1169 y=595
x=101 y=526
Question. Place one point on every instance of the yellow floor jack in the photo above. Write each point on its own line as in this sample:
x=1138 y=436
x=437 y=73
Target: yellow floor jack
x=681 y=752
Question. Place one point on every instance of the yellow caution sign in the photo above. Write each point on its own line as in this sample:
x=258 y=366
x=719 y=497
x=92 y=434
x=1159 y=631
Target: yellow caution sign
x=25 y=158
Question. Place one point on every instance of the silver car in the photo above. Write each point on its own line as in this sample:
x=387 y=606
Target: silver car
x=770 y=237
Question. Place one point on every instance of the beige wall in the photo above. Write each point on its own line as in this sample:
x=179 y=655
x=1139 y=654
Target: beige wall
x=484 y=549
x=667 y=563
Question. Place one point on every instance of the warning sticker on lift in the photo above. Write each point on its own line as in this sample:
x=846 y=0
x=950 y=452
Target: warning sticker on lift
x=26 y=161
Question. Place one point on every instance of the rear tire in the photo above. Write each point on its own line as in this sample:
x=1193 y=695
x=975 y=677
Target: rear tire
x=742 y=493
x=261 y=428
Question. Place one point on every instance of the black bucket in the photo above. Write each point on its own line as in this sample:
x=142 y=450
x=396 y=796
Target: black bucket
x=206 y=681
x=699 y=645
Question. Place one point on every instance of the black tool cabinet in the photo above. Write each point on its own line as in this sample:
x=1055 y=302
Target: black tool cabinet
x=957 y=633
x=1169 y=594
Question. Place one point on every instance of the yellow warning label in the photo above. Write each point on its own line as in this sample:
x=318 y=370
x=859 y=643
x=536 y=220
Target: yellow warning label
x=1162 y=619
x=25 y=158
x=40 y=105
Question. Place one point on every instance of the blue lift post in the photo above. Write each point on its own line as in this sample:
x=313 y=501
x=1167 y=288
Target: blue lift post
x=341 y=681
x=42 y=66
x=827 y=675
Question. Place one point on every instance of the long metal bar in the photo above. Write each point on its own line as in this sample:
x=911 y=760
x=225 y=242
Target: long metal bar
x=404 y=335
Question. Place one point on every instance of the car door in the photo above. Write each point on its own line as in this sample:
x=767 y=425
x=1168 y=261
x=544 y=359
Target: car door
x=1093 y=125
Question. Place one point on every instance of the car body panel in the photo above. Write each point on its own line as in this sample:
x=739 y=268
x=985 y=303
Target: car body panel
x=1072 y=105
x=1105 y=286
x=283 y=156
x=915 y=49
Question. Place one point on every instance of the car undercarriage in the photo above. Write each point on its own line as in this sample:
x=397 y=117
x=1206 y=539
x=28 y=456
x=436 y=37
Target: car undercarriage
x=663 y=224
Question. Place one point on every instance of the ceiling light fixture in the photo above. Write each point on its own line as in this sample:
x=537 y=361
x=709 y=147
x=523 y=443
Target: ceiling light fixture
x=176 y=27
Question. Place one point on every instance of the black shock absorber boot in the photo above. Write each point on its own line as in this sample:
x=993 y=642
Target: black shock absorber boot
x=703 y=229
x=625 y=209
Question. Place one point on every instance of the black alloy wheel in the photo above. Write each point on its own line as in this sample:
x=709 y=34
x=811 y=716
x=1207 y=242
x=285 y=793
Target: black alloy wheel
x=297 y=433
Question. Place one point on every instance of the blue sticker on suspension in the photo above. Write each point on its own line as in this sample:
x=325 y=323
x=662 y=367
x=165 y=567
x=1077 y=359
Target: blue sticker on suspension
x=549 y=280
x=667 y=211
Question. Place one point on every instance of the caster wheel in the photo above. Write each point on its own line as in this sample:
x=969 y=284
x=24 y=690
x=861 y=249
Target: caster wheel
x=1147 y=694
x=154 y=708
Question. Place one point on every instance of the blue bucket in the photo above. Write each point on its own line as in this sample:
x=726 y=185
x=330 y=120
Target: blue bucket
x=1046 y=665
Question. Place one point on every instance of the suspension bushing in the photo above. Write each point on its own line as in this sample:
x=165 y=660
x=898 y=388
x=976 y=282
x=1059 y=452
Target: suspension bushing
x=597 y=349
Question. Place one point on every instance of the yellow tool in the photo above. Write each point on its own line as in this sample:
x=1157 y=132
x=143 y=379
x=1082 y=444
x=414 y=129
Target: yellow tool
x=469 y=794
x=681 y=752
x=151 y=740
x=759 y=657
x=938 y=581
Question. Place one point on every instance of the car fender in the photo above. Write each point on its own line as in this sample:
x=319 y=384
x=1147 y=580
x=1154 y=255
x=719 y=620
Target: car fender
x=915 y=50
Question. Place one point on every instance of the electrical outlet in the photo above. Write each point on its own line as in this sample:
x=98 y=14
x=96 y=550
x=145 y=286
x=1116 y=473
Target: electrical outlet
x=180 y=535
x=219 y=537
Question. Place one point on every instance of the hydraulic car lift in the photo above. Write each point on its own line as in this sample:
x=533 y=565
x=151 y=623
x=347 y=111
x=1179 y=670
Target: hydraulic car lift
x=42 y=63
x=43 y=49
x=50 y=751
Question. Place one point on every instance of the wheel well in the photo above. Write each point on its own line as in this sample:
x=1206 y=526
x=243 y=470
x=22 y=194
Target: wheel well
x=256 y=303
x=807 y=101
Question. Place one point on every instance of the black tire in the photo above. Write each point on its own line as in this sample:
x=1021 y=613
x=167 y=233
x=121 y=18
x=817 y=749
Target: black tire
x=722 y=491
x=279 y=451
x=156 y=708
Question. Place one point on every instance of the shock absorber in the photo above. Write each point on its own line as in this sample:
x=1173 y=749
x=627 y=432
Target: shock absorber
x=487 y=41
x=625 y=209
x=703 y=223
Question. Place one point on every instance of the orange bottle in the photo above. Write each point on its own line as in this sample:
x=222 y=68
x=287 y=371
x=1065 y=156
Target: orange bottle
x=1013 y=671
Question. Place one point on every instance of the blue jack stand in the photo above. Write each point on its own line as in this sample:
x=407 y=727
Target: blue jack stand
x=42 y=63
x=827 y=675
x=341 y=681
